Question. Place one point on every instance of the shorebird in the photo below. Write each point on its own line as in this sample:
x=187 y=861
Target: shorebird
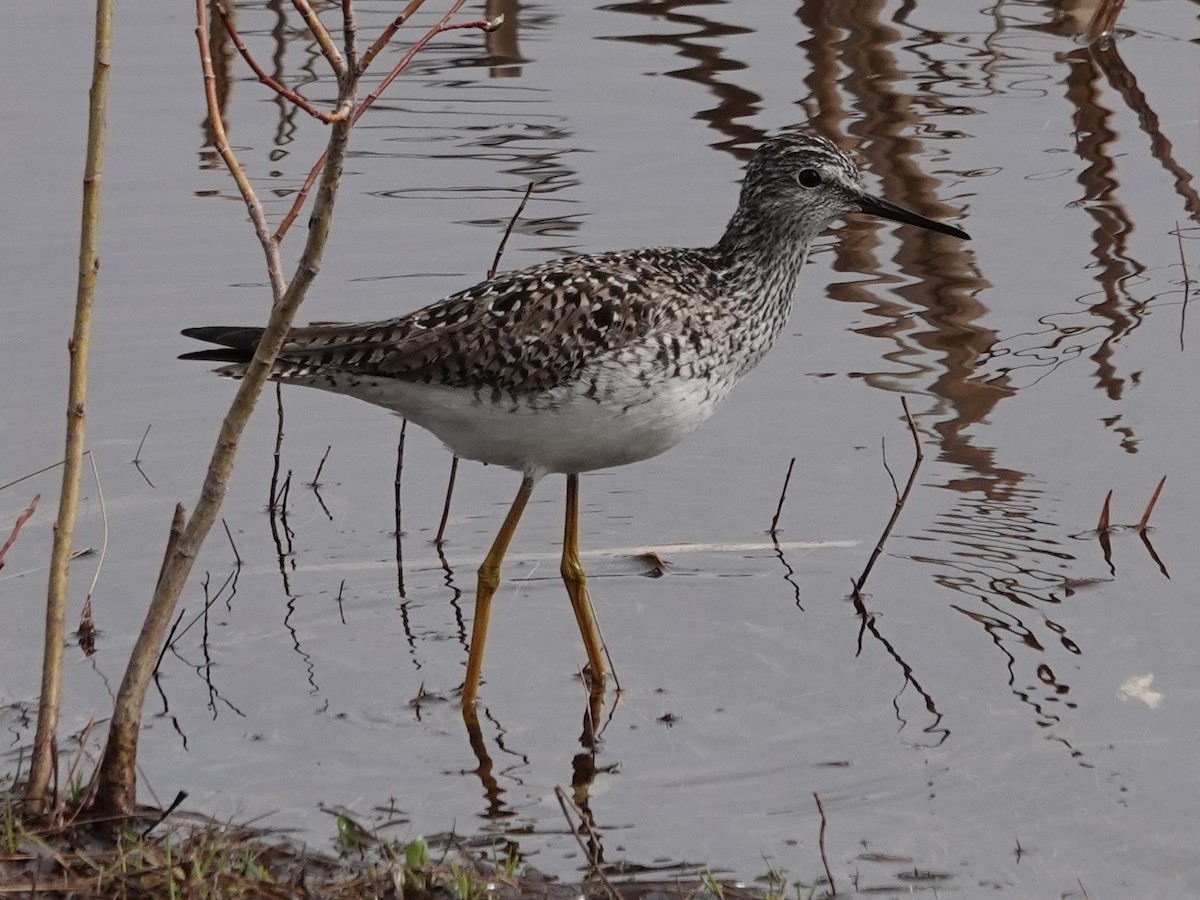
x=586 y=362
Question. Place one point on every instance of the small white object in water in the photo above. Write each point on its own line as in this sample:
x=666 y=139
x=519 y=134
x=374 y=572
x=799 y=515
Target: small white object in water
x=1137 y=687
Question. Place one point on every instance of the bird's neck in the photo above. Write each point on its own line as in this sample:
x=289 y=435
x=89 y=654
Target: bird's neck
x=761 y=256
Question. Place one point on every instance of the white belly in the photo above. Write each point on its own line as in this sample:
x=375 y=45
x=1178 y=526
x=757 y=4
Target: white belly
x=557 y=431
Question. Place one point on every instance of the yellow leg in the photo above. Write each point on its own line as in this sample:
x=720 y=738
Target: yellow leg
x=489 y=580
x=576 y=582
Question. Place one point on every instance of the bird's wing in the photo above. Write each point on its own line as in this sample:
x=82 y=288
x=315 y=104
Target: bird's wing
x=524 y=331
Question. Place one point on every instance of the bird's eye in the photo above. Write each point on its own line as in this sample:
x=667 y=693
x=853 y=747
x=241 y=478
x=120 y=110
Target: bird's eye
x=809 y=178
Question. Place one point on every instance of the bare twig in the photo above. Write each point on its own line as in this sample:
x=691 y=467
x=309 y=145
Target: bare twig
x=774 y=529
x=901 y=499
x=316 y=479
x=33 y=474
x=1187 y=284
x=399 y=515
x=441 y=532
x=512 y=223
x=16 y=529
x=350 y=34
x=1103 y=525
x=321 y=34
x=237 y=556
x=824 y=858
x=104 y=534
x=1144 y=522
x=137 y=457
x=44 y=762
x=270 y=82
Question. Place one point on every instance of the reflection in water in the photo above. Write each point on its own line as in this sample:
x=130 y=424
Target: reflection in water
x=701 y=44
x=502 y=44
x=1107 y=317
x=584 y=771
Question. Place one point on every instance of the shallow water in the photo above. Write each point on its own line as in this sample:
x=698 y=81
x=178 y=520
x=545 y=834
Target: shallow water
x=1019 y=711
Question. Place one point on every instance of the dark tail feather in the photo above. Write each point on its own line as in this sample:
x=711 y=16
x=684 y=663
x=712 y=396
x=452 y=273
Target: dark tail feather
x=236 y=344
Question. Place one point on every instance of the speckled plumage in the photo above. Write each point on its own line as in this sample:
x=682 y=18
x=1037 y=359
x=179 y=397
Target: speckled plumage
x=592 y=361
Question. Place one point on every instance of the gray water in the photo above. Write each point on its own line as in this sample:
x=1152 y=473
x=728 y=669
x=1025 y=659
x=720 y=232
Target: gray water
x=1018 y=713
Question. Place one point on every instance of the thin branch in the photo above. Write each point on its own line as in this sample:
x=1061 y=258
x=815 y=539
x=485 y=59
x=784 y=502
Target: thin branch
x=387 y=35
x=1144 y=523
x=116 y=787
x=824 y=858
x=901 y=499
x=316 y=479
x=350 y=34
x=270 y=82
x=773 y=530
x=564 y=801
x=512 y=223
x=441 y=532
x=1187 y=284
x=491 y=273
x=321 y=35
x=137 y=457
x=1105 y=513
x=16 y=529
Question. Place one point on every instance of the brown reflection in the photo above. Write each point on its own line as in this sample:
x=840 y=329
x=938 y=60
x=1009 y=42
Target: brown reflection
x=584 y=768
x=700 y=45
x=1106 y=318
x=502 y=44
x=223 y=53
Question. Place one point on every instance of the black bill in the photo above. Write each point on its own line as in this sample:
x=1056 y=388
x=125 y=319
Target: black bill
x=876 y=206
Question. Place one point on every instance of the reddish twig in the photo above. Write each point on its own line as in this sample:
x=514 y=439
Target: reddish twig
x=270 y=82
x=593 y=857
x=1187 y=283
x=388 y=34
x=441 y=26
x=901 y=499
x=1103 y=525
x=441 y=532
x=16 y=529
x=1144 y=523
x=350 y=34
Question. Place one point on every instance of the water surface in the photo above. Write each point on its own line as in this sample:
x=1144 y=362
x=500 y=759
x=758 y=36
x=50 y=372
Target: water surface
x=1016 y=712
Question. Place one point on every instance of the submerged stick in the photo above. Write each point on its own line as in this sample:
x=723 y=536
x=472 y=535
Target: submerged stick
x=901 y=500
x=1103 y=525
x=821 y=840
x=512 y=222
x=782 y=494
x=1144 y=522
